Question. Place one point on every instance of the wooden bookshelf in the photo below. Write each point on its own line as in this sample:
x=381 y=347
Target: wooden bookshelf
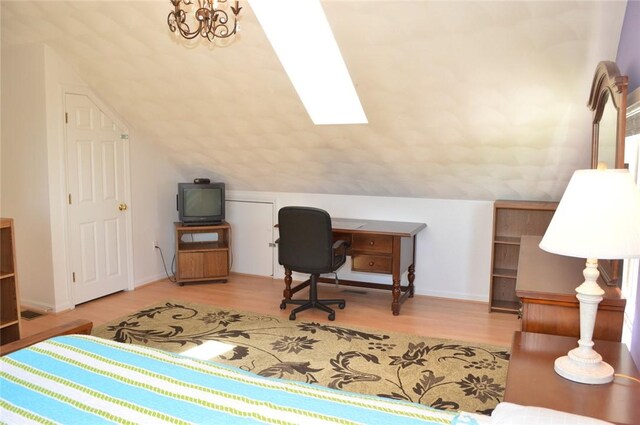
x=511 y=220
x=9 y=297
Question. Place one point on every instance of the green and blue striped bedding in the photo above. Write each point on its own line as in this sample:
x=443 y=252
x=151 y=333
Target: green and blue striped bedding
x=88 y=380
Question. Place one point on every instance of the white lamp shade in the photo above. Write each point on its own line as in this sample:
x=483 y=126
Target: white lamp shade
x=598 y=217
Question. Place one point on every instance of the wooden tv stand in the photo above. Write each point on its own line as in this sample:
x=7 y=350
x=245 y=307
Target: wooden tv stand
x=205 y=259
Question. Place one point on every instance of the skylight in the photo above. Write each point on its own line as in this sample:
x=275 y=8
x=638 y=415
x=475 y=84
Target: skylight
x=301 y=36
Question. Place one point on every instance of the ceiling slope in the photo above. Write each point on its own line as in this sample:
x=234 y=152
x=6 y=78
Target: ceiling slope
x=465 y=100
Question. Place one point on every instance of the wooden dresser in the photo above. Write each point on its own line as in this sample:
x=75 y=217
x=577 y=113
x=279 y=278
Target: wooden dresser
x=546 y=287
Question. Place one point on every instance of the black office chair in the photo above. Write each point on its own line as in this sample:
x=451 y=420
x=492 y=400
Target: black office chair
x=306 y=246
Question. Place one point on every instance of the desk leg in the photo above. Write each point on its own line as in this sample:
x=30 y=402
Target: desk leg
x=287 y=284
x=395 y=292
x=411 y=276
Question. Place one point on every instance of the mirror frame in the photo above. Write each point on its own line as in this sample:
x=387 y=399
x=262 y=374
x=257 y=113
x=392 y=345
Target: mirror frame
x=607 y=85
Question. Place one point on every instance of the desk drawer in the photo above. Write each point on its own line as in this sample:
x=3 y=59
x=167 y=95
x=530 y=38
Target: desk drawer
x=372 y=243
x=371 y=263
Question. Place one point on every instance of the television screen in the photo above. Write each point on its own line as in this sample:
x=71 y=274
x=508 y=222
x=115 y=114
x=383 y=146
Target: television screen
x=201 y=203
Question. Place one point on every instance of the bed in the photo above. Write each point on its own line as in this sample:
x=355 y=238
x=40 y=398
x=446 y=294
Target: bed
x=85 y=379
x=64 y=375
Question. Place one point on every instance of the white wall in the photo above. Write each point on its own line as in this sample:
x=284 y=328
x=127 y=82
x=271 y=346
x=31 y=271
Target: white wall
x=154 y=182
x=453 y=253
x=34 y=80
x=25 y=191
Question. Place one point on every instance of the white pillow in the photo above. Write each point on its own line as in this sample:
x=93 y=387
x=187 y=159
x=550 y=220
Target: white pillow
x=514 y=414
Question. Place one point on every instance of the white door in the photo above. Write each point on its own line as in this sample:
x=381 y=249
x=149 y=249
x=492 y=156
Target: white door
x=251 y=236
x=98 y=214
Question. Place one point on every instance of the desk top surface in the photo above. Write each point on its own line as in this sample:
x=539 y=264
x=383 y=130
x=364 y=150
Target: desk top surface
x=542 y=274
x=395 y=228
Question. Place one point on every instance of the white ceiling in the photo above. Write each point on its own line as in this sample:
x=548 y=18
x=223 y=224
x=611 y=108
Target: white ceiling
x=465 y=100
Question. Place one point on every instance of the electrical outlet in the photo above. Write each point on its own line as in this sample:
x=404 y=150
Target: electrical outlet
x=155 y=245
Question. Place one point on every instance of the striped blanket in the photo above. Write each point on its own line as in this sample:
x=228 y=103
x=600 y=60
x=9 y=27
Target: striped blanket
x=88 y=380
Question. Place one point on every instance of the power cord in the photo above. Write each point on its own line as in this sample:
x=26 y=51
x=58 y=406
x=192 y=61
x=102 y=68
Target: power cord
x=171 y=279
x=622 y=375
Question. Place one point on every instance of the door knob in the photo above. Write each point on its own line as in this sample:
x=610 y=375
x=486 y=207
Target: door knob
x=122 y=207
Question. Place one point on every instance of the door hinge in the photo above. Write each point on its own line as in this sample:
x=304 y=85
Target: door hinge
x=73 y=277
x=272 y=245
x=124 y=136
x=66 y=118
x=69 y=199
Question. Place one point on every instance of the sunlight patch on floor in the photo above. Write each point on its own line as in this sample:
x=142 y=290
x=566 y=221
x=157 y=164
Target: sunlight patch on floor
x=208 y=350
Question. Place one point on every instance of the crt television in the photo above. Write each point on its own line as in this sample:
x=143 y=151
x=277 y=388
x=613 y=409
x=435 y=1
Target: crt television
x=200 y=203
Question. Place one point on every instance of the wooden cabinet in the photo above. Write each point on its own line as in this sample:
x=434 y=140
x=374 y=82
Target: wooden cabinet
x=202 y=252
x=511 y=220
x=546 y=286
x=10 y=309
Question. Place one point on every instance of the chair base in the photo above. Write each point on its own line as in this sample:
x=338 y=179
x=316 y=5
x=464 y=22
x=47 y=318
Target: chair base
x=313 y=302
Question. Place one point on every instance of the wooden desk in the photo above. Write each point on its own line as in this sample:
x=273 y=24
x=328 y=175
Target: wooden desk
x=546 y=285
x=532 y=381
x=386 y=247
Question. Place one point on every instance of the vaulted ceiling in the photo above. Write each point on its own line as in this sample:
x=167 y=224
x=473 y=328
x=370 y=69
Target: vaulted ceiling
x=465 y=100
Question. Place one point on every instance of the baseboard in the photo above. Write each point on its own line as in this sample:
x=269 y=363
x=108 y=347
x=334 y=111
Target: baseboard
x=149 y=279
x=48 y=308
x=454 y=295
x=484 y=298
x=37 y=306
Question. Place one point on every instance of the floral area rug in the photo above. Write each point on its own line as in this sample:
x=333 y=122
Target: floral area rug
x=441 y=373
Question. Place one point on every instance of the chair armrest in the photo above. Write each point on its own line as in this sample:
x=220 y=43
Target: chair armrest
x=76 y=327
x=337 y=244
x=339 y=250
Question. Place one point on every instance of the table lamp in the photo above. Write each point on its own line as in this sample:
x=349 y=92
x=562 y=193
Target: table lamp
x=598 y=218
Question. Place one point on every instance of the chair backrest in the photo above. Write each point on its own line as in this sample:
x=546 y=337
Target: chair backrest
x=305 y=239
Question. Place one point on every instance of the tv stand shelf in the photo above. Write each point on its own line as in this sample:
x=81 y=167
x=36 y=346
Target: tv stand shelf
x=202 y=252
x=203 y=246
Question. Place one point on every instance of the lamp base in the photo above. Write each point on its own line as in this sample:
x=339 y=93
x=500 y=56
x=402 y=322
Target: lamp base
x=575 y=367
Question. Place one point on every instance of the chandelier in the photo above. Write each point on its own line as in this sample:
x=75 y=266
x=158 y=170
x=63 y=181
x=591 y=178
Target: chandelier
x=209 y=20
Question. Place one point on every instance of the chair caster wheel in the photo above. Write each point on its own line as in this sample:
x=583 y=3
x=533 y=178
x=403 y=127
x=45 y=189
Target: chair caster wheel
x=332 y=316
x=283 y=305
x=292 y=316
x=341 y=306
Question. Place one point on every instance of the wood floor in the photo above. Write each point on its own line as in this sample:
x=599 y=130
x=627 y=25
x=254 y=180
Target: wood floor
x=422 y=315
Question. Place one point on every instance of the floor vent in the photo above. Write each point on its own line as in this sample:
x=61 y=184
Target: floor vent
x=29 y=314
x=355 y=291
